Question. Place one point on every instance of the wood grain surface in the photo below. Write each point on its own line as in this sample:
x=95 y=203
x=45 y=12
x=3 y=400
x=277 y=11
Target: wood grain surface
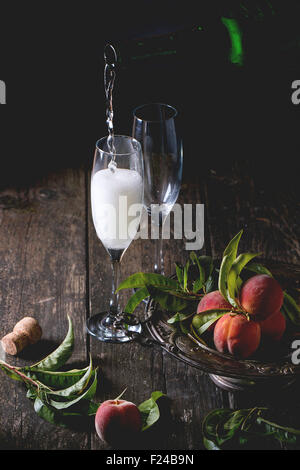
x=52 y=264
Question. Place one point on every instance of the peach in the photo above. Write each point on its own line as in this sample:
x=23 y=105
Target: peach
x=117 y=421
x=210 y=301
x=235 y=334
x=273 y=327
x=261 y=296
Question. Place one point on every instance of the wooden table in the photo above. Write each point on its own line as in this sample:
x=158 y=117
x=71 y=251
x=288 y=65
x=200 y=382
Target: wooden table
x=52 y=265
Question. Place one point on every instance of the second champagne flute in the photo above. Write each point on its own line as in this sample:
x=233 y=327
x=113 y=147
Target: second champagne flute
x=154 y=126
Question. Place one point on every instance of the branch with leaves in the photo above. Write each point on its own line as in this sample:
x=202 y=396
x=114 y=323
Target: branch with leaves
x=225 y=429
x=61 y=397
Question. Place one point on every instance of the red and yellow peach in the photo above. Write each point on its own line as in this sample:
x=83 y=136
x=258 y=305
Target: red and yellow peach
x=210 y=301
x=118 y=421
x=261 y=296
x=237 y=335
x=273 y=327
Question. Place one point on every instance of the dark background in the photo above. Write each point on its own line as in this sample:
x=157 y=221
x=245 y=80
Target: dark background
x=51 y=58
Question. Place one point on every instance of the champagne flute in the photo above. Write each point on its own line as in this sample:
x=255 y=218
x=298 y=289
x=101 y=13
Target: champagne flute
x=154 y=126
x=117 y=188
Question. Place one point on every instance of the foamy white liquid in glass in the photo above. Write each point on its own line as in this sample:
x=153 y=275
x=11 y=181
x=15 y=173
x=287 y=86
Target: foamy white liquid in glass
x=110 y=218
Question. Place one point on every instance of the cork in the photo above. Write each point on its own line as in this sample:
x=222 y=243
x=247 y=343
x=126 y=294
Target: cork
x=29 y=326
x=14 y=343
x=26 y=331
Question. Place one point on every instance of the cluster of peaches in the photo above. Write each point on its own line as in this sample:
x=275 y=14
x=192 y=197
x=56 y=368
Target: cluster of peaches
x=241 y=332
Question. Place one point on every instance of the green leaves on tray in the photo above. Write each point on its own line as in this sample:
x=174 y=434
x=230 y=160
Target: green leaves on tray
x=197 y=277
x=174 y=295
x=231 y=267
x=182 y=295
x=225 y=429
x=202 y=322
x=291 y=309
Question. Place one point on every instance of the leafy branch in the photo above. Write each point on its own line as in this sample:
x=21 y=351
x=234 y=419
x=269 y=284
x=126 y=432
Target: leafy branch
x=245 y=428
x=61 y=397
x=55 y=391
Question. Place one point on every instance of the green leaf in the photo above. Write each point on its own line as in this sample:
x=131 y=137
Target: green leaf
x=194 y=336
x=198 y=284
x=185 y=275
x=212 y=282
x=87 y=395
x=136 y=299
x=65 y=418
x=77 y=387
x=55 y=379
x=258 y=268
x=291 y=308
x=179 y=274
x=237 y=420
x=210 y=445
x=237 y=266
x=172 y=301
x=202 y=321
x=93 y=408
x=179 y=317
x=183 y=328
x=60 y=356
x=229 y=257
x=138 y=280
x=150 y=410
x=31 y=393
x=47 y=413
x=223 y=275
x=207 y=263
x=283 y=434
x=232 y=246
x=212 y=426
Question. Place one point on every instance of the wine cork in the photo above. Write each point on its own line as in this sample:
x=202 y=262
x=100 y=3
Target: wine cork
x=26 y=331
x=14 y=343
x=29 y=326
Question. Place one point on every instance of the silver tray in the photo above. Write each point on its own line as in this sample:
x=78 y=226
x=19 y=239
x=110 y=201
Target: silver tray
x=225 y=370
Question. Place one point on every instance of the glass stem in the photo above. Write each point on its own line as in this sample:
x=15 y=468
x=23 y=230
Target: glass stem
x=159 y=262
x=114 y=300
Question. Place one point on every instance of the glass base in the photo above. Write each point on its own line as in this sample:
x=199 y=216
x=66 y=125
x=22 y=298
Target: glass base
x=102 y=327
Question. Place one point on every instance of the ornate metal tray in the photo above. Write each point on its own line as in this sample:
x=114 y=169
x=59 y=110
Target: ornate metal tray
x=225 y=370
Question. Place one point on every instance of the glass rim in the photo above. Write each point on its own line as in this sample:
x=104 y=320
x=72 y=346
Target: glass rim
x=151 y=104
x=104 y=139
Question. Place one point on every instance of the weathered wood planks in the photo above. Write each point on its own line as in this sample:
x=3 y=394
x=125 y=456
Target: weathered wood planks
x=43 y=274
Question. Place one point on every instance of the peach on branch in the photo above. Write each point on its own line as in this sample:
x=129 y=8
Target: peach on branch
x=273 y=327
x=237 y=335
x=210 y=301
x=261 y=296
